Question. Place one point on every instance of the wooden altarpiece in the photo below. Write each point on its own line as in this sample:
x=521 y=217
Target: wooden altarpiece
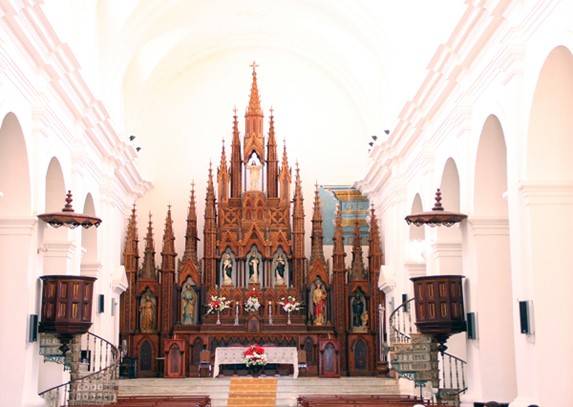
x=253 y=245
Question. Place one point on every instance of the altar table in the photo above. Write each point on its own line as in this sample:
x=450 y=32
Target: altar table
x=278 y=355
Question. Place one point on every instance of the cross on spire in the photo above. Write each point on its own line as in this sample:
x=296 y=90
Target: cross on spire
x=254 y=65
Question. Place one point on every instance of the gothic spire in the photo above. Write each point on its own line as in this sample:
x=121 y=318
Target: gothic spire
x=236 y=160
x=168 y=256
x=317 y=252
x=254 y=138
x=210 y=232
x=254 y=101
x=338 y=238
x=148 y=267
x=131 y=251
x=357 y=271
x=191 y=236
x=298 y=232
x=223 y=177
x=272 y=161
x=375 y=246
x=285 y=179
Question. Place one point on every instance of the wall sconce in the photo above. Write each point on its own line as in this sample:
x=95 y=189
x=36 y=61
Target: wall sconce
x=437 y=216
x=69 y=218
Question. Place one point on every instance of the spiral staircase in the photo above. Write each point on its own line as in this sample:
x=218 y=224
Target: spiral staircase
x=415 y=356
x=93 y=364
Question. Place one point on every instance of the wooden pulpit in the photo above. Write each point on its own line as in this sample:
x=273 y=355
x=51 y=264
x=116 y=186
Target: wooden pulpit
x=174 y=358
x=328 y=357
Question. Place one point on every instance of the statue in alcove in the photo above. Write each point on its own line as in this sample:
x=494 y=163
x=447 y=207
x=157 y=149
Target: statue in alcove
x=147 y=313
x=253 y=262
x=359 y=312
x=188 y=300
x=280 y=269
x=319 y=303
x=227 y=267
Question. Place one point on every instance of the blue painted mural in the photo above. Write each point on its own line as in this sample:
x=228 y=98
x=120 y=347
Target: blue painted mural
x=352 y=205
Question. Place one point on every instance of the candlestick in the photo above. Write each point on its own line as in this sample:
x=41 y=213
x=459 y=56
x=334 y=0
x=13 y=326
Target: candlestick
x=270 y=313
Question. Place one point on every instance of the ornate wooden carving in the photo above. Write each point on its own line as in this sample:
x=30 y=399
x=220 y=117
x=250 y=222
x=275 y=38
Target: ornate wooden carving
x=329 y=358
x=248 y=210
x=174 y=358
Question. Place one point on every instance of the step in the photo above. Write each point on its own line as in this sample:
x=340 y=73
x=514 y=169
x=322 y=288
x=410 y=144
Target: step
x=288 y=388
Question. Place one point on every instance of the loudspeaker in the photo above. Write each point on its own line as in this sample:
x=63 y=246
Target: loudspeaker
x=404 y=299
x=524 y=317
x=101 y=303
x=472 y=325
x=33 y=328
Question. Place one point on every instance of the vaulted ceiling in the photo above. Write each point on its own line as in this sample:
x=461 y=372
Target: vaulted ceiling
x=171 y=72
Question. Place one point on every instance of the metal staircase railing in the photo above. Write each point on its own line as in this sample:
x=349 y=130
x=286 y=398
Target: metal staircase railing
x=452 y=380
x=94 y=370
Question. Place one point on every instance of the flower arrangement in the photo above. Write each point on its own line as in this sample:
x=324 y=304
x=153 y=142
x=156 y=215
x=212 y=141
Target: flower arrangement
x=290 y=304
x=217 y=304
x=253 y=304
x=255 y=356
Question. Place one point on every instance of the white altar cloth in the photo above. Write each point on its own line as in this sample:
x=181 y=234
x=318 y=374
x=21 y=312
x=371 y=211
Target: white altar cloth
x=234 y=355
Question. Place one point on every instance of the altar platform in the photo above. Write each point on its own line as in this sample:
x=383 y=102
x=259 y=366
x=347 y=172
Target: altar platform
x=288 y=388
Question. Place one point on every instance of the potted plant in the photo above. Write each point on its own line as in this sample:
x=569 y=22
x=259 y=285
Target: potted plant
x=255 y=358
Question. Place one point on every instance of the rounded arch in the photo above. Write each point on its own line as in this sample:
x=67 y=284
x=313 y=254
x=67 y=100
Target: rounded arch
x=14 y=169
x=89 y=236
x=416 y=233
x=18 y=285
x=55 y=186
x=490 y=292
x=450 y=189
x=491 y=171
x=450 y=186
x=551 y=120
x=548 y=213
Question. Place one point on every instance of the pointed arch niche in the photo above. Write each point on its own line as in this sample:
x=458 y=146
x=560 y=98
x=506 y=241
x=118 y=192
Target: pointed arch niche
x=547 y=196
x=490 y=288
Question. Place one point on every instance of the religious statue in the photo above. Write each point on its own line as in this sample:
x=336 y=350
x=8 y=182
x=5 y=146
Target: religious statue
x=364 y=318
x=357 y=309
x=319 y=301
x=253 y=267
x=280 y=269
x=255 y=174
x=147 y=310
x=227 y=269
x=187 y=304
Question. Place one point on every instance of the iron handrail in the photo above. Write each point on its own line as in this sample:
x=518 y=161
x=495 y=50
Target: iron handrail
x=107 y=374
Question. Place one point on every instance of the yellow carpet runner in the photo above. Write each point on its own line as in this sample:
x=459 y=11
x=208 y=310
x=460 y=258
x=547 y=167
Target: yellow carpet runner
x=252 y=392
